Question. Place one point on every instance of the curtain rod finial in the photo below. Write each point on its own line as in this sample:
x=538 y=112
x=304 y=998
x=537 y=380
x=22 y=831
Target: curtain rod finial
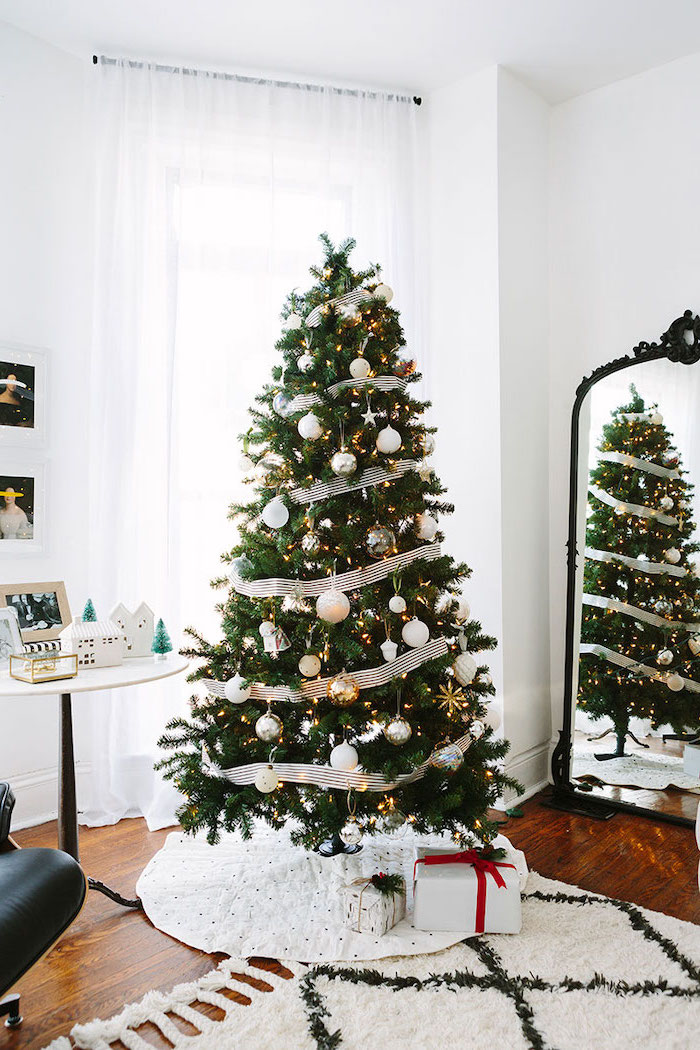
x=94 y=60
x=417 y=99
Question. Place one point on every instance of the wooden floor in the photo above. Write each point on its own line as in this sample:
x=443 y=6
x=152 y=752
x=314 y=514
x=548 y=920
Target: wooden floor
x=111 y=956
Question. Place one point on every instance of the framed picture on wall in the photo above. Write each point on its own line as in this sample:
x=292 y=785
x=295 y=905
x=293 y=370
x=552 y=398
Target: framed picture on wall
x=22 y=395
x=42 y=608
x=22 y=506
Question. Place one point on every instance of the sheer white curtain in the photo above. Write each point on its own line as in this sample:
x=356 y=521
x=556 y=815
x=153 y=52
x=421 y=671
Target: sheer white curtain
x=211 y=193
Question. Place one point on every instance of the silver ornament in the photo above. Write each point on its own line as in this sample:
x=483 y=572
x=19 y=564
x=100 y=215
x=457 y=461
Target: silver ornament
x=398 y=731
x=663 y=608
x=243 y=567
x=351 y=833
x=281 y=404
x=427 y=443
x=270 y=463
x=379 y=541
x=666 y=503
x=305 y=362
x=268 y=728
x=344 y=463
x=477 y=729
x=664 y=658
x=310 y=543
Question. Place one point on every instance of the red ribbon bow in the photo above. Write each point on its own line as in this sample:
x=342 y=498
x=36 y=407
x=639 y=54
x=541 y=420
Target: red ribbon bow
x=481 y=865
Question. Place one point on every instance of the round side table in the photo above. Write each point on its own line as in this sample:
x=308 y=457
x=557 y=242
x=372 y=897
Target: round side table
x=134 y=671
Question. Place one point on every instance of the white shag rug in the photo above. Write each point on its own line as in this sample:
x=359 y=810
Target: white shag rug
x=268 y=897
x=586 y=973
x=657 y=772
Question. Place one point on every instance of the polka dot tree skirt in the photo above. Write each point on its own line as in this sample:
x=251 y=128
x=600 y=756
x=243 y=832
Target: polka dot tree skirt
x=268 y=897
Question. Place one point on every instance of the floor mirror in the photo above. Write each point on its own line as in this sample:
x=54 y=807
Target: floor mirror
x=631 y=716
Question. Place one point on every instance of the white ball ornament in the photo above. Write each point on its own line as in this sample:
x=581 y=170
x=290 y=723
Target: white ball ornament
x=266 y=780
x=236 y=691
x=268 y=728
x=305 y=362
x=245 y=464
x=656 y=418
x=672 y=555
x=464 y=668
x=309 y=665
x=294 y=322
x=388 y=440
x=666 y=503
x=310 y=427
x=344 y=756
x=266 y=628
x=359 y=368
x=493 y=718
x=675 y=683
x=397 y=604
x=332 y=606
x=664 y=658
x=275 y=513
x=415 y=633
x=344 y=463
x=477 y=729
x=463 y=610
x=383 y=291
x=426 y=526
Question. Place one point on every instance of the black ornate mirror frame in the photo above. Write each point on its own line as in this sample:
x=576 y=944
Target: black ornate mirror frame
x=681 y=343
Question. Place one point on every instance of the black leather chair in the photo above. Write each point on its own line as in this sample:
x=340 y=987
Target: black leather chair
x=41 y=893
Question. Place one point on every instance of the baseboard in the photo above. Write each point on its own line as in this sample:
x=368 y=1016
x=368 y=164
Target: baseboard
x=531 y=768
x=36 y=793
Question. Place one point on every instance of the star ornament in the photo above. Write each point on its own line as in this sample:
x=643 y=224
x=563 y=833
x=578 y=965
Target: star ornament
x=369 y=416
x=451 y=700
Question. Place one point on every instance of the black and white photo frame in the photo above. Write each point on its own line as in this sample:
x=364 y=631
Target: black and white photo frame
x=42 y=608
x=23 y=395
x=23 y=524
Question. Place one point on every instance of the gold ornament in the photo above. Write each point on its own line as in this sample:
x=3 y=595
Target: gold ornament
x=343 y=690
x=451 y=700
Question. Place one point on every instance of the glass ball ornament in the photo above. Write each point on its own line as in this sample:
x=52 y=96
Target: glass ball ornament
x=664 y=658
x=242 y=566
x=463 y=610
x=344 y=463
x=309 y=427
x=426 y=526
x=359 y=368
x=477 y=729
x=675 y=683
x=236 y=691
x=245 y=463
x=266 y=780
x=351 y=833
x=397 y=604
x=379 y=541
x=671 y=458
x=427 y=444
x=281 y=404
x=275 y=513
x=694 y=644
x=343 y=690
x=305 y=362
x=663 y=608
x=332 y=606
x=294 y=322
x=268 y=728
x=389 y=650
x=398 y=731
x=392 y=820
x=672 y=556
x=493 y=718
x=415 y=633
x=388 y=440
x=447 y=757
x=405 y=367
x=310 y=543
x=383 y=291
x=424 y=470
x=666 y=503
x=266 y=628
x=270 y=464
x=485 y=679
x=344 y=756
x=309 y=665
x=349 y=311
x=464 y=668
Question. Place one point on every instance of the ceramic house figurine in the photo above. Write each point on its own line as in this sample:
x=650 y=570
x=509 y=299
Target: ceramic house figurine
x=96 y=643
x=137 y=627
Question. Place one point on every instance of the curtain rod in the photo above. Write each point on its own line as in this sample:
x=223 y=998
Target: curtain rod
x=106 y=61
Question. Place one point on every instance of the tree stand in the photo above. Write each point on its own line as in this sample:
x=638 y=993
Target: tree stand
x=621 y=737
x=331 y=847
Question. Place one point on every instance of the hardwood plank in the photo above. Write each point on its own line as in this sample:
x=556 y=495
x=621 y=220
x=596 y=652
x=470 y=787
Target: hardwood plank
x=111 y=956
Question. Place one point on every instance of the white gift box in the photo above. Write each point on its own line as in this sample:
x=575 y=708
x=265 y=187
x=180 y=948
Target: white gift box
x=448 y=896
x=366 y=910
x=691 y=760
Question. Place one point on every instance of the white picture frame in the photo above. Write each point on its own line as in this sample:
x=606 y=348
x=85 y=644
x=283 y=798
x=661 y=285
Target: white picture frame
x=10 y=638
x=23 y=403
x=27 y=533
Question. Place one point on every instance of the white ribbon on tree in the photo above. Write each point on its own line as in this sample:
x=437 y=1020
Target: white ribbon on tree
x=303 y=402
x=344 y=581
x=639 y=464
x=592 y=649
x=631 y=508
x=369 y=678
x=354 y=298
x=636 y=417
x=637 y=614
x=655 y=568
x=374 y=476
x=323 y=776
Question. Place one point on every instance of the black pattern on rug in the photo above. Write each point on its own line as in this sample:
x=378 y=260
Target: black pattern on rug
x=497 y=978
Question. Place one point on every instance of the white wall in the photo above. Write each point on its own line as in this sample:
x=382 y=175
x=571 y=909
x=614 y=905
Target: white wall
x=45 y=296
x=625 y=229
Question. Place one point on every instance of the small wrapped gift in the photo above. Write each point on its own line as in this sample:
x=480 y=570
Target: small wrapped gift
x=466 y=891
x=374 y=904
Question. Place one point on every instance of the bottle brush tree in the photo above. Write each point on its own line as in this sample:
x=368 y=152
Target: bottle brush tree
x=349 y=692
x=161 y=640
x=89 y=614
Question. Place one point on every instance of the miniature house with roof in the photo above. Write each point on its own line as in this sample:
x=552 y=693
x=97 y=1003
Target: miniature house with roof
x=96 y=643
x=137 y=627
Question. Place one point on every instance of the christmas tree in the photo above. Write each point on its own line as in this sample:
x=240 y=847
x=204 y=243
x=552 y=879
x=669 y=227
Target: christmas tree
x=347 y=695
x=639 y=646
x=161 y=645
x=89 y=614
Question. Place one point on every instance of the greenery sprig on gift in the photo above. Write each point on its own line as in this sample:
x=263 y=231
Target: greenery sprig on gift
x=387 y=884
x=491 y=852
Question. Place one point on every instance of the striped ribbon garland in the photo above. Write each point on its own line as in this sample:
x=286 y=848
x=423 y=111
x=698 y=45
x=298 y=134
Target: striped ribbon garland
x=374 y=476
x=592 y=649
x=307 y=401
x=636 y=417
x=639 y=464
x=369 y=678
x=345 y=581
x=655 y=568
x=632 y=508
x=324 y=776
x=354 y=298
x=614 y=605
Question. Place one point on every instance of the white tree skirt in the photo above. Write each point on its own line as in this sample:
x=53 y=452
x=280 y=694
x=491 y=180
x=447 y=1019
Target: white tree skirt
x=656 y=772
x=268 y=897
